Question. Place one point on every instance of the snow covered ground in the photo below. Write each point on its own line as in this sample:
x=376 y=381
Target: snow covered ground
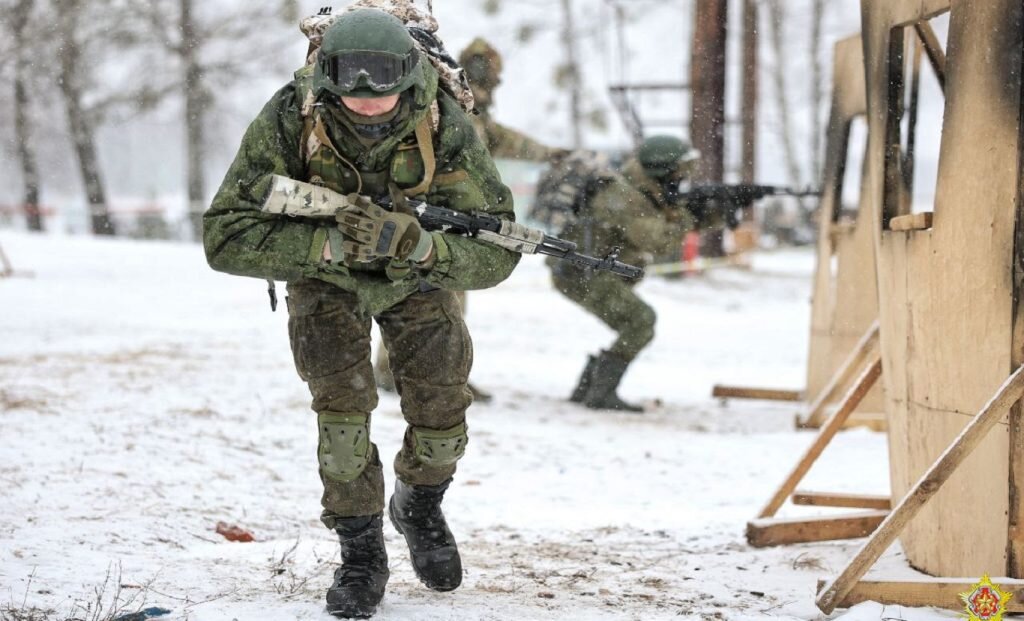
x=144 y=398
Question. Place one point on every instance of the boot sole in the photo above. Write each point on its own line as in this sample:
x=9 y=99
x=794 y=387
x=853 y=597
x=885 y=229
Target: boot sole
x=441 y=588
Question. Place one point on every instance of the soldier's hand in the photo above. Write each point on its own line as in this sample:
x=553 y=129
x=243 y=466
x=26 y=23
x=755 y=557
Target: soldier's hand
x=372 y=232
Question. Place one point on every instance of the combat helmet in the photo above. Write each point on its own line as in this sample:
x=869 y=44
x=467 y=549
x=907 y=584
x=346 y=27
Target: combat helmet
x=660 y=156
x=482 y=64
x=366 y=53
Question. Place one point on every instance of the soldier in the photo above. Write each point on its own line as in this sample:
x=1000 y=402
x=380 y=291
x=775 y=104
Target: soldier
x=637 y=212
x=482 y=65
x=368 y=117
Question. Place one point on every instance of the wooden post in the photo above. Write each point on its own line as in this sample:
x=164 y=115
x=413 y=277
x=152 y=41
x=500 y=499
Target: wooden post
x=867 y=344
x=828 y=431
x=707 y=81
x=923 y=491
x=748 y=164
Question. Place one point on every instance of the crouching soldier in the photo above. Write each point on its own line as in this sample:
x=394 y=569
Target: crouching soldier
x=368 y=117
x=638 y=211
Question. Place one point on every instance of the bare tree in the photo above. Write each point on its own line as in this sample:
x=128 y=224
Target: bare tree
x=18 y=29
x=818 y=103
x=776 y=32
x=71 y=77
x=240 y=39
x=570 y=74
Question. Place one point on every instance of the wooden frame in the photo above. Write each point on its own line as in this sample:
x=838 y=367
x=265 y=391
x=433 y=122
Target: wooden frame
x=768 y=530
x=926 y=488
x=951 y=327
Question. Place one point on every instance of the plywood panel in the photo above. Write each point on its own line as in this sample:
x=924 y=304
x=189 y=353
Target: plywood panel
x=845 y=302
x=946 y=292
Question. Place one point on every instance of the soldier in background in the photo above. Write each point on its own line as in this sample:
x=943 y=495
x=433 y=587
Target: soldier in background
x=639 y=211
x=482 y=65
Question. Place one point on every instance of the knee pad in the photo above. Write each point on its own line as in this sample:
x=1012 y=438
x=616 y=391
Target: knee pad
x=439 y=447
x=344 y=447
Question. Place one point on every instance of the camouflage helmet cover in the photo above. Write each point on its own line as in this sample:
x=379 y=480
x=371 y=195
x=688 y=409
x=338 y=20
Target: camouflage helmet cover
x=662 y=155
x=366 y=53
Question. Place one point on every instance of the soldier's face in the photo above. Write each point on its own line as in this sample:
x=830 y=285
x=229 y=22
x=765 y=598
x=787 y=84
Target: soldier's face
x=370 y=106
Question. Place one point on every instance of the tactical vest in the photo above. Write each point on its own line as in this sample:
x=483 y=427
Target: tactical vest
x=412 y=166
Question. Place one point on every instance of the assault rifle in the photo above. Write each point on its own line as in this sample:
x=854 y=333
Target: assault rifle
x=297 y=198
x=728 y=198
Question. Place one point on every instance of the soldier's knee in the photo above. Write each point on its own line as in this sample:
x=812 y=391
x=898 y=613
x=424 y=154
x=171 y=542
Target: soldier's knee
x=439 y=447
x=344 y=448
x=645 y=325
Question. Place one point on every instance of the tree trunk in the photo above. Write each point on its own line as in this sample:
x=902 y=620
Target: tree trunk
x=748 y=164
x=81 y=126
x=777 y=20
x=573 y=69
x=707 y=102
x=707 y=81
x=817 y=87
x=195 y=111
x=22 y=117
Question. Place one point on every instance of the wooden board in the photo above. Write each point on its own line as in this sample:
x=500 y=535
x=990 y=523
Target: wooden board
x=911 y=222
x=835 y=499
x=844 y=301
x=937 y=592
x=765 y=532
x=946 y=292
x=765 y=394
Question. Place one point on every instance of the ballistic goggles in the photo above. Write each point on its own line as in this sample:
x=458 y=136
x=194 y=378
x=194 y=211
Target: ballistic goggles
x=380 y=71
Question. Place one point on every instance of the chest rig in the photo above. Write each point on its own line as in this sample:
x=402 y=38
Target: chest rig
x=411 y=167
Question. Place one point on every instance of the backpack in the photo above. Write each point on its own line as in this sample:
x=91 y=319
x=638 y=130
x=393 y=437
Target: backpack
x=565 y=187
x=423 y=28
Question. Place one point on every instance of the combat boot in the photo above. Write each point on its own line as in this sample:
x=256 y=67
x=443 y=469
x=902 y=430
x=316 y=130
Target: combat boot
x=584 y=384
x=415 y=511
x=602 y=394
x=359 y=583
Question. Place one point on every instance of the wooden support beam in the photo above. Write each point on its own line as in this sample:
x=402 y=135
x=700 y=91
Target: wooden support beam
x=923 y=491
x=850 y=501
x=912 y=222
x=828 y=431
x=765 y=394
x=762 y=533
x=933 y=48
x=937 y=592
x=841 y=378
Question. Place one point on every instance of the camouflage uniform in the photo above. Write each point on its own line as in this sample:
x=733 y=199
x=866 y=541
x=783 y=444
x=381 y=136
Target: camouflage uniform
x=629 y=211
x=331 y=305
x=483 y=66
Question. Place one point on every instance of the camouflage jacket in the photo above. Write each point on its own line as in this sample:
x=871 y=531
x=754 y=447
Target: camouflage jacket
x=240 y=239
x=629 y=211
x=506 y=143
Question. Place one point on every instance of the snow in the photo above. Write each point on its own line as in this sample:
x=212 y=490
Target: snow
x=144 y=398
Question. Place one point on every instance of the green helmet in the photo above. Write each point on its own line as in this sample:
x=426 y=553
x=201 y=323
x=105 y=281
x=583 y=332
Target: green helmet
x=366 y=53
x=660 y=156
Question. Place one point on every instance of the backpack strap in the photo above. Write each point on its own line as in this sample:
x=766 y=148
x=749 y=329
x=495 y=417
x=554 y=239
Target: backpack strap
x=425 y=143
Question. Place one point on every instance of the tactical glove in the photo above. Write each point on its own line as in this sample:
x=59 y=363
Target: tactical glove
x=372 y=232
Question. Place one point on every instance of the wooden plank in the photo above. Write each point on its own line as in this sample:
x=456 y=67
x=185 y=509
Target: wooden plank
x=853 y=364
x=972 y=435
x=912 y=222
x=764 y=394
x=762 y=533
x=937 y=592
x=834 y=499
x=828 y=431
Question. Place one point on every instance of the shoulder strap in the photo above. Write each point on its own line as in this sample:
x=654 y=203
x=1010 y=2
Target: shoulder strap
x=425 y=143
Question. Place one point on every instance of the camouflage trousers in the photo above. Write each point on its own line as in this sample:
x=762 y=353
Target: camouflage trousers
x=431 y=355
x=612 y=300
